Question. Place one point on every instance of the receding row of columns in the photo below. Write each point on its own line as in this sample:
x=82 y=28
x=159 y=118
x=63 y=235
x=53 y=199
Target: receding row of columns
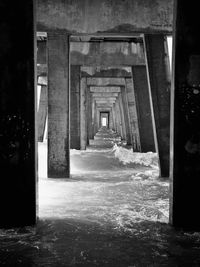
x=18 y=201
x=143 y=119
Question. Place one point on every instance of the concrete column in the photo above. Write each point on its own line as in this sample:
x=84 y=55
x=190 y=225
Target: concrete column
x=93 y=118
x=145 y=122
x=83 y=114
x=159 y=85
x=18 y=107
x=75 y=107
x=119 y=119
x=129 y=88
x=98 y=119
x=58 y=105
x=185 y=117
x=89 y=116
x=126 y=116
x=110 y=119
x=114 y=117
x=121 y=106
x=117 y=122
x=42 y=113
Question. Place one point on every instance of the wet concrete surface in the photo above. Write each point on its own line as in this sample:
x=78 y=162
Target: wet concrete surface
x=108 y=217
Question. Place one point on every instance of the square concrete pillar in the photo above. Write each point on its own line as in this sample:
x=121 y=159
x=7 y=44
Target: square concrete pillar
x=98 y=119
x=123 y=121
x=159 y=85
x=119 y=119
x=93 y=117
x=111 y=123
x=117 y=123
x=58 y=104
x=18 y=109
x=126 y=116
x=90 y=134
x=145 y=120
x=42 y=113
x=75 y=107
x=185 y=118
x=130 y=92
x=83 y=114
x=96 y=124
x=114 y=117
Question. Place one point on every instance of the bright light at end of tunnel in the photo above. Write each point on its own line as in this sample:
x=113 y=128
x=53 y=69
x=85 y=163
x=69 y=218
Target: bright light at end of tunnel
x=104 y=122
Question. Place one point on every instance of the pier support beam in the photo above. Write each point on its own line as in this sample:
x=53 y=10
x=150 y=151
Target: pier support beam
x=159 y=85
x=185 y=117
x=58 y=105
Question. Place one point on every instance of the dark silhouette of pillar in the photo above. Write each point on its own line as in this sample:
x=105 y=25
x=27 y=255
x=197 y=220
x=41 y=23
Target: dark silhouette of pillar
x=18 y=108
x=185 y=118
x=159 y=85
x=126 y=115
x=145 y=123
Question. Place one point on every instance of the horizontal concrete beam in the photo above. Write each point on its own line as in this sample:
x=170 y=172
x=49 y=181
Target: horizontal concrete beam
x=104 y=106
x=106 y=94
x=106 y=53
x=105 y=99
x=105 y=81
x=100 y=89
x=79 y=16
x=99 y=108
x=107 y=72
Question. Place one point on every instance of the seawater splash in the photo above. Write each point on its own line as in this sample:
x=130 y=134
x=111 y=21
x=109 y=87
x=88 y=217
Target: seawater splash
x=114 y=186
x=127 y=156
x=114 y=216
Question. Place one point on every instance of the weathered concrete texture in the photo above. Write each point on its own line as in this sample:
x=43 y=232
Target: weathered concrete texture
x=126 y=116
x=119 y=119
x=105 y=81
x=98 y=54
x=104 y=94
x=105 y=102
x=143 y=109
x=83 y=114
x=110 y=117
x=121 y=107
x=41 y=69
x=58 y=106
x=108 y=72
x=90 y=134
x=114 y=118
x=91 y=16
x=105 y=98
x=134 y=125
x=103 y=89
x=159 y=83
x=17 y=114
x=185 y=171
x=42 y=113
x=75 y=107
x=41 y=52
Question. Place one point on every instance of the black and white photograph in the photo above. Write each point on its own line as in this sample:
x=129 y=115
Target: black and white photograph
x=99 y=133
